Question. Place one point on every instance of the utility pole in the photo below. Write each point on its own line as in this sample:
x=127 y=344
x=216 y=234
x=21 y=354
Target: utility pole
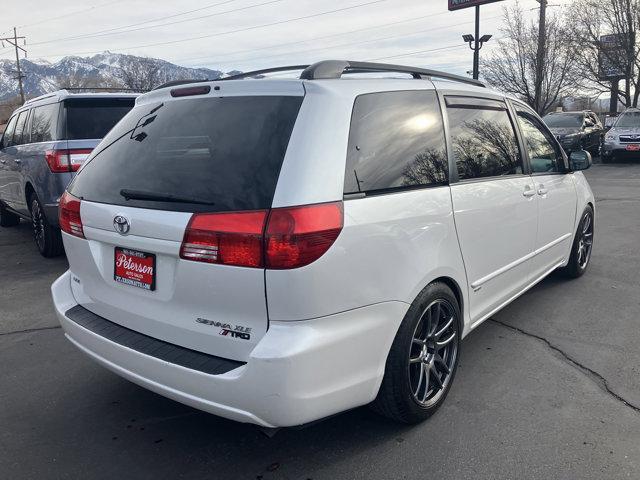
x=13 y=41
x=540 y=55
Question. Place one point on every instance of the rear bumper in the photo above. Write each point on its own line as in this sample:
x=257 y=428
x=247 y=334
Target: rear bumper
x=298 y=372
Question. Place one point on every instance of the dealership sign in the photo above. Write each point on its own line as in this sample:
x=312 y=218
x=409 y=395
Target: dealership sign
x=612 y=57
x=458 y=4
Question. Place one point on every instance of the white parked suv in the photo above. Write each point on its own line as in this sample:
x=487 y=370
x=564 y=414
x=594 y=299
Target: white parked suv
x=276 y=251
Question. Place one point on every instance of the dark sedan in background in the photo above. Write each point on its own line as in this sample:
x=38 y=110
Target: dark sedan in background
x=576 y=130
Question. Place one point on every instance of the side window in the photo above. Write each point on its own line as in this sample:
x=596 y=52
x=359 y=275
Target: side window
x=8 y=132
x=44 y=121
x=396 y=141
x=483 y=139
x=544 y=154
x=21 y=129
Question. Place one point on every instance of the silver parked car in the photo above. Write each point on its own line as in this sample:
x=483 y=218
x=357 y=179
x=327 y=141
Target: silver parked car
x=44 y=144
x=624 y=137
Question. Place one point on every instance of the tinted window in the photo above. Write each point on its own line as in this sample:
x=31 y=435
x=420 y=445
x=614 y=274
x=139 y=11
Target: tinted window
x=21 y=135
x=396 y=141
x=566 y=120
x=483 y=140
x=8 y=132
x=94 y=117
x=544 y=155
x=224 y=152
x=44 y=121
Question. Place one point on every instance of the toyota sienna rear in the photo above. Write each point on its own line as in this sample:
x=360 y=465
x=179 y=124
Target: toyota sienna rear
x=278 y=251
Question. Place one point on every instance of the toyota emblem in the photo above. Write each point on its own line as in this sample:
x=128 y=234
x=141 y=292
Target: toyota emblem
x=121 y=224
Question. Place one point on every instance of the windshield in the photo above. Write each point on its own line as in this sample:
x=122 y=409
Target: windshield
x=629 y=119
x=566 y=120
x=197 y=154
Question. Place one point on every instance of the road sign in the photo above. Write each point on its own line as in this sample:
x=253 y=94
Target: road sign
x=458 y=4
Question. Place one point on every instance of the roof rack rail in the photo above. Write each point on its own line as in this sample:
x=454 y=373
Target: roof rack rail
x=336 y=68
x=328 y=69
x=174 y=83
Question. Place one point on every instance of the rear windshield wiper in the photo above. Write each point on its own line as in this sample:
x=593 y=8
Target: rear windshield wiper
x=160 y=197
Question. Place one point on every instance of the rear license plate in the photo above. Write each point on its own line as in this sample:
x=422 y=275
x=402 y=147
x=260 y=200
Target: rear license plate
x=633 y=148
x=135 y=268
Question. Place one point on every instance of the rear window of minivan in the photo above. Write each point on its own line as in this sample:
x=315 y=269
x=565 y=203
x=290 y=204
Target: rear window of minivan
x=92 y=118
x=200 y=154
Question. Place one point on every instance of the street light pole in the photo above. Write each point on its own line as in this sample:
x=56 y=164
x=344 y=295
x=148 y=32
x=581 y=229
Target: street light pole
x=476 y=47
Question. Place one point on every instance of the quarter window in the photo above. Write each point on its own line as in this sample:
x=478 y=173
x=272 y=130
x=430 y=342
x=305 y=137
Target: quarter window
x=483 y=140
x=21 y=134
x=44 y=123
x=396 y=142
x=544 y=155
x=8 y=132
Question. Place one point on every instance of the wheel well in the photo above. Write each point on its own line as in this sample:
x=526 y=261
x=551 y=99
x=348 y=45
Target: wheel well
x=453 y=285
x=28 y=190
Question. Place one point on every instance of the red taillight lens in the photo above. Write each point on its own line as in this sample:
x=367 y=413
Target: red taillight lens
x=297 y=236
x=70 y=160
x=233 y=238
x=69 y=215
x=280 y=239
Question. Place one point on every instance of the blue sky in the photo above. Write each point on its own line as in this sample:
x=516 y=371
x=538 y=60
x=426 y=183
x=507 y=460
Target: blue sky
x=249 y=34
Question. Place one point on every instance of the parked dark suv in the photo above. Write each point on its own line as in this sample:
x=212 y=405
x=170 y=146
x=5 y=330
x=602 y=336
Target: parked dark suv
x=576 y=130
x=45 y=142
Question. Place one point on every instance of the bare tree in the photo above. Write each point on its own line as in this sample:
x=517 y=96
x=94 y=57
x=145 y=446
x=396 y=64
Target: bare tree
x=594 y=18
x=513 y=64
x=142 y=73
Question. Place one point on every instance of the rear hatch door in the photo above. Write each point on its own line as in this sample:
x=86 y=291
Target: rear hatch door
x=179 y=157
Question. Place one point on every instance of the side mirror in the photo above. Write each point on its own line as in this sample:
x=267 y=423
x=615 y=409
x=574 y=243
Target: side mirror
x=579 y=160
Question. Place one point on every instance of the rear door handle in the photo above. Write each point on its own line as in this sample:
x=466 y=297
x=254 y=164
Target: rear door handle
x=542 y=190
x=17 y=160
x=528 y=191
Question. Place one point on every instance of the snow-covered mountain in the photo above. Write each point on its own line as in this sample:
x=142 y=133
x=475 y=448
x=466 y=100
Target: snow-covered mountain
x=105 y=69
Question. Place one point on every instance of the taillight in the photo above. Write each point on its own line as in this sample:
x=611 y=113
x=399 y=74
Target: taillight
x=69 y=215
x=297 y=236
x=233 y=238
x=282 y=238
x=68 y=160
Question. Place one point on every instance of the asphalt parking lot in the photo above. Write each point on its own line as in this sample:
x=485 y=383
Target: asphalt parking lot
x=550 y=388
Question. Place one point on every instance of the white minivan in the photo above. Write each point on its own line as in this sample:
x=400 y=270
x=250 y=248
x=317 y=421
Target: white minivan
x=276 y=251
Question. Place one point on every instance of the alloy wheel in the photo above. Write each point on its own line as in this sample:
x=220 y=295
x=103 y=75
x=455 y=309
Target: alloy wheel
x=37 y=219
x=433 y=352
x=585 y=242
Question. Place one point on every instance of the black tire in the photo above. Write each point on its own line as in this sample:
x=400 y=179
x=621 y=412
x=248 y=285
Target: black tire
x=47 y=238
x=411 y=362
x=7 y=218
x=582 y=246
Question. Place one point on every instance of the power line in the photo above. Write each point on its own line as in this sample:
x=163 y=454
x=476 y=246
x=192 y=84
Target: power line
x=374 y=40
x=164 y=17
x=99 y=34
x=374 y=27
x=228 y=32
x=50 y=19
x=418 y=52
